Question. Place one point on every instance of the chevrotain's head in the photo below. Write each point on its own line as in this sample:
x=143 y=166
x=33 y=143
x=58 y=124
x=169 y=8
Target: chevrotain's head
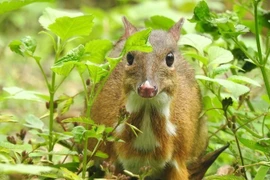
x=149 y=74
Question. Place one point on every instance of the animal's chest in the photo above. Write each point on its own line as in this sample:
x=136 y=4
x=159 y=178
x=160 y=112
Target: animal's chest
x=146 y=150
x=146 y=140
x=153 y=147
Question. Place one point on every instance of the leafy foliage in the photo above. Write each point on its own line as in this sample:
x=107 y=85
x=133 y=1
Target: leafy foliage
x=6 y=6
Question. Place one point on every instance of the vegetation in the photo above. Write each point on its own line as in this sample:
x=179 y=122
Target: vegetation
x=58 y=53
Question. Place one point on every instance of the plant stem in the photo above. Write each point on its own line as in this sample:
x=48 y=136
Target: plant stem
x=85 y=148
x=234 y=130
x=240 y=153
x=52 y=91
x=261 y=60
x=89 y=102
x=257 y=33
x=43 y=74
x=266 y=80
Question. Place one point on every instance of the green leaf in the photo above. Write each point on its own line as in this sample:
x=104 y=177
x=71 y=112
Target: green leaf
x=113 y=62
x=34 y=122
x=11 y=5
x=218 y=55
x=93 y=134
x=196 y=41
x=7 y=119
x=221 y=69
x=101 y=155
x=16 y=147
x=21 y=94
x=159 y=22
x=225 y=177
x=261 y=173
x=109 y=129
x=5 y=156
x=44 y=171
x=97 y=50
x=138 y=42
x=64 y=68
x=100 y=129
x=264 y=142
x=72 y=166
x=78 y=133
x=201 y=11
x=50 y=15
x=73 y=55
x=96 y=72
x=79 y=120
x=64 y=65
x=68 y=27
x=235 y=89
x=67 y=174
x=202 y=59
x=243 y=80
x=253 y=145
x=67 y=105
x=15 y=46
x=25 y=47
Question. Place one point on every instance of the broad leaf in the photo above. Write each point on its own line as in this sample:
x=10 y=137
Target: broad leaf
x=50 y=15
x=5 y=156
x=16 y=147
x=44 y=171
x=7 y=118
x=100 y=129
x=64 y=65
x=25 y=47
x=196 y=56
x=159 y=22
x=34 y=122
x=67 y=174
x=96 y=72
x=93 y=134
x=21 y=94
x=67 y=103
x=73 y=55
x=201 y=11
x=225 y=177
x=218 y=55
x=97 y=50
x=221 y=69
x=78 y=120
x=138 y=42
x=64 y=68
x=101 y=154
x=196 y=41
x=261 y=173
x=113 y=62
x=78 y=133
x=68 y=27
x=253 y=145
x=235 y=89
x=10 y=5
x=72 y=166
x=243 y=80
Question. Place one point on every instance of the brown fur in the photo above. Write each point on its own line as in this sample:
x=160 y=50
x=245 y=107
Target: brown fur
x=178 y=82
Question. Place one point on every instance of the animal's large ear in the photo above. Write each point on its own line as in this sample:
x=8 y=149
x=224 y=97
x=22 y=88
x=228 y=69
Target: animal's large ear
x=129 y=28
x=175 y=30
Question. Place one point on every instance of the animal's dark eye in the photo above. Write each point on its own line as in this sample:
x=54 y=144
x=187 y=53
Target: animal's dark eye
x=169 y=59
x=130 y=58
